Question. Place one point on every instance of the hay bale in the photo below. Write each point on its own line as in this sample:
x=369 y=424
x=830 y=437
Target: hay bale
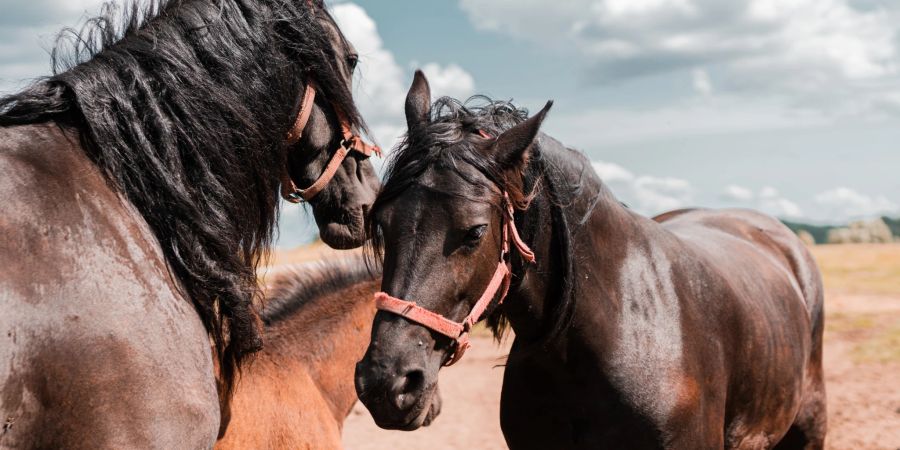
x=806 y=237
x=862 y=232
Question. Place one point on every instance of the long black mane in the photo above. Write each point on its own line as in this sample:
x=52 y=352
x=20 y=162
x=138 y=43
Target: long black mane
x=183 y=105
x=452 y=140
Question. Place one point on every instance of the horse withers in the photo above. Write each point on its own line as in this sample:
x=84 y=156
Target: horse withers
x=140 y=190
x=299 y=388
x=696 y=329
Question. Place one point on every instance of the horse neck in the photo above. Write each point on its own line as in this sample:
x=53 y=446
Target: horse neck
x=597 y=222
x=325 y=338
x=178 y=114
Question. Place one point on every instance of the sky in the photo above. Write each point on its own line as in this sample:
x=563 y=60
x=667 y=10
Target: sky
x=791 y=107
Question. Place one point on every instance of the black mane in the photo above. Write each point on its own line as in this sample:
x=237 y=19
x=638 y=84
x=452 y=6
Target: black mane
x=451 y=139
x=298 y=285
x=183 y=105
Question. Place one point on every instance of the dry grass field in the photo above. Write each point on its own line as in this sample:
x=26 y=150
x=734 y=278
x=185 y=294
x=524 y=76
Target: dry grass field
x=862 y=359
x=862 y=344
x=860 y=268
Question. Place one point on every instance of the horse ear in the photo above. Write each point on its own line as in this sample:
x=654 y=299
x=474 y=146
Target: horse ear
x=418 y=101
x=513 y=148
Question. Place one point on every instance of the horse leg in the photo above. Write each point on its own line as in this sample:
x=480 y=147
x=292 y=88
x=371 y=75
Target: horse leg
x=808 y=430
x=530 y=413
x=809 y=427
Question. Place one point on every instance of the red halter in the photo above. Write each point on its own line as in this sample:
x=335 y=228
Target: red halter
x=459 y=331
x=350 y=142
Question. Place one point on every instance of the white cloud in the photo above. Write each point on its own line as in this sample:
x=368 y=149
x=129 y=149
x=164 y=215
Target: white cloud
x=767 y=200
x=382 y=82
x=702 y=83
x=611 y=172
x=738 y=193
x=27 y=32
x=848 y=204
x=646 y=194
x=452 y=81
x=768 y=192
x=651 y=195
x=822 y=54
x=772 y=202
x=780 y=207
x=661 y=194
x=699 y=116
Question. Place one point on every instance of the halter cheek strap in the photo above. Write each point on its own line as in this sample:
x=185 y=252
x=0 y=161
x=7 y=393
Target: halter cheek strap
x=459 y=331
x=350 y=142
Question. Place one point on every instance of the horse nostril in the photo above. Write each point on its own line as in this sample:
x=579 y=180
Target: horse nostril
x=407 y=388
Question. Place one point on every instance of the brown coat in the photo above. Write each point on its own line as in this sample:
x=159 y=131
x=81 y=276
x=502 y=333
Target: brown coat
x=299 y=390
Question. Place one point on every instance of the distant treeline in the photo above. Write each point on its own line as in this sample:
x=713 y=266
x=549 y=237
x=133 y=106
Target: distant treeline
x=820 y=232
x=893 y=224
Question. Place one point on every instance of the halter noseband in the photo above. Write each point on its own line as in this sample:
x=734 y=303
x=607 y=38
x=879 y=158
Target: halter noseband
x=458 y=332
x=349 y=142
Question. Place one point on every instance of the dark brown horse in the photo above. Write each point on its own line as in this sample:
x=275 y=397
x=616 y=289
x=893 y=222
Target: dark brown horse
x=697 y=329
x=299 y=389
x=140 y=190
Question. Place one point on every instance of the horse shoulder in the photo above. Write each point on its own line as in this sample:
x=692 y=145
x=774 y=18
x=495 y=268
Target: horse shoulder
x=105 y=352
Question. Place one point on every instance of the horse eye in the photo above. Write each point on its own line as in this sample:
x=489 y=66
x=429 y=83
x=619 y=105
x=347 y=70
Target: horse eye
x=474 y=235
x=352 y=61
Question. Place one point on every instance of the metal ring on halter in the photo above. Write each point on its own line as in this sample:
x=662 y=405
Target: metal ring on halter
x=295 y=197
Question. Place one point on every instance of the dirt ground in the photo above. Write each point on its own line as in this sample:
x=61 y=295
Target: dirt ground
x=862 y=363
x=469 y=413
x=862 y=371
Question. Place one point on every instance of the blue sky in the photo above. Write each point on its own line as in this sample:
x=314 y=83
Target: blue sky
x=788 y=106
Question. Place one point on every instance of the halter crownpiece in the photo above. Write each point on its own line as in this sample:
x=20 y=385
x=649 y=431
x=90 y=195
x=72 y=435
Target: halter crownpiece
x=458 y=332
x=350 y=142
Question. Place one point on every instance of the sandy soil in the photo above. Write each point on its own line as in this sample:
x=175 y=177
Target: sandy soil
x=469 y=413
x=862 y=358
x=862 y=370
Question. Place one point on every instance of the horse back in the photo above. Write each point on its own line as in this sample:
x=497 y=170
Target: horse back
x=728 y=230
x=98 y=341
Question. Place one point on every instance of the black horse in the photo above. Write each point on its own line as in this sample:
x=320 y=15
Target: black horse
x=140 y=191
x=697 y=329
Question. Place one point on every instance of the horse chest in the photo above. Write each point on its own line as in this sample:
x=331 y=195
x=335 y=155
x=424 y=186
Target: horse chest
x=576 y=407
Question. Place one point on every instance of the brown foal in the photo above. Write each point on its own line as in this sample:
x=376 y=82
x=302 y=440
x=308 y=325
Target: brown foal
x=298 y=391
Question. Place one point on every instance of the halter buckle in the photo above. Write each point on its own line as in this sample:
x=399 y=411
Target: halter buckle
x=295 y=197
x=461 y=344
